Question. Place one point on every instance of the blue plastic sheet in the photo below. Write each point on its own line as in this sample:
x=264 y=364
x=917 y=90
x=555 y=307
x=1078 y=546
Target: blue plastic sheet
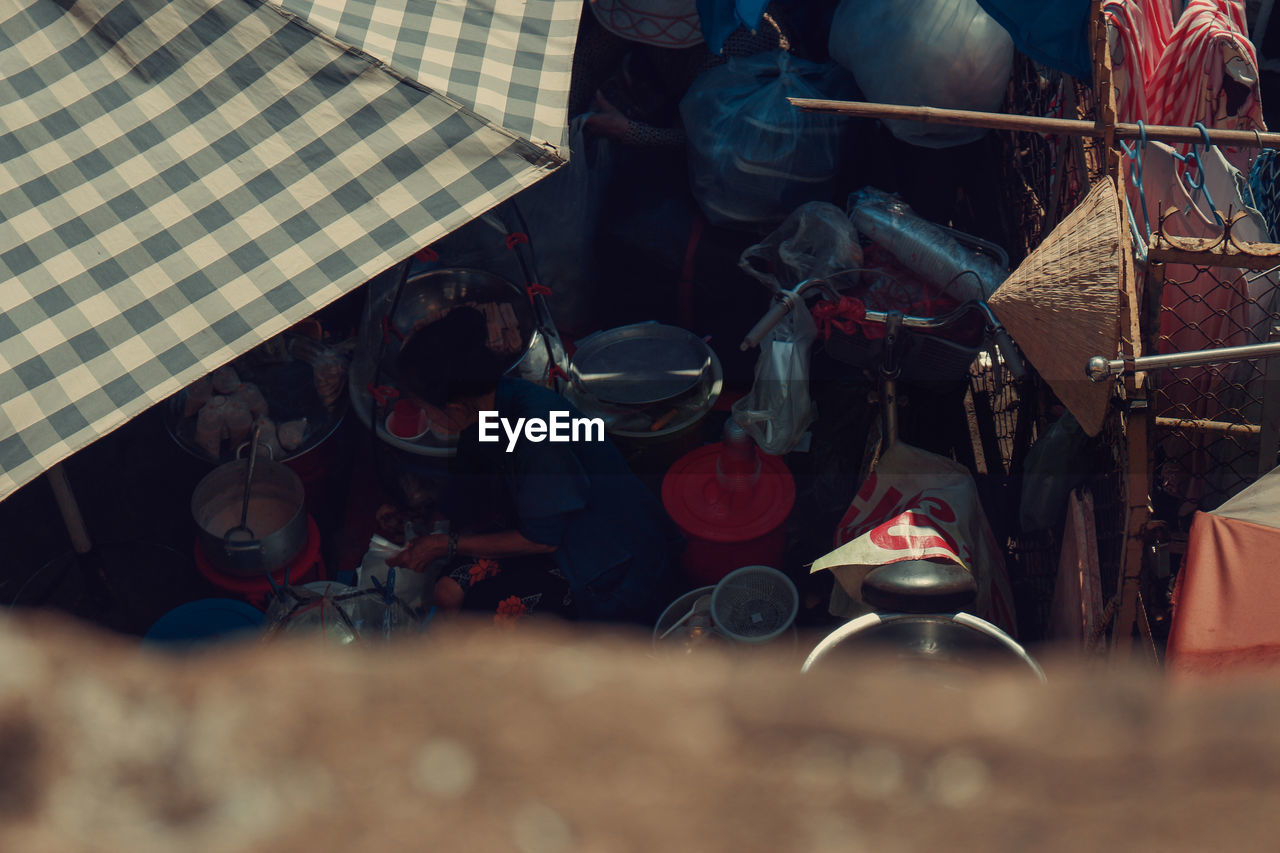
x=1053 y=33
x=719 y=18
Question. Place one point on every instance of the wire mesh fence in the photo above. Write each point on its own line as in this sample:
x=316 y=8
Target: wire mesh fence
x=1210 y=418
x=1046 y=174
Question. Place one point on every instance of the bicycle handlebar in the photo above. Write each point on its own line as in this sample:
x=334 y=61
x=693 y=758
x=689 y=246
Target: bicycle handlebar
x=772 y=317
x=785 y=299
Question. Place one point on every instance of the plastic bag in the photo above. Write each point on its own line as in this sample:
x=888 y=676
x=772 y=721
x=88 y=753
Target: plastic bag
x=753 y=158
x=778 y=409
x=817 y=239
x=373 y=571
x=923 y=247
x=933 y=53
x=917 y=505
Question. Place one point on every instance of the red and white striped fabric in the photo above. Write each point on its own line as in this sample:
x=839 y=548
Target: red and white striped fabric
x=1139 y=31
x=1208 y=47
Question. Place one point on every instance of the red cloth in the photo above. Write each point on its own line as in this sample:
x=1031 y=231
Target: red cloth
x=1188 y=84
x=1226 y=615
x=1144 y=28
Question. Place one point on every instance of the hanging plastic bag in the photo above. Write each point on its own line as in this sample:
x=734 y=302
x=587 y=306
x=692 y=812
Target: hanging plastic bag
x=778 y=409
x=754 y=158
x=817 y=239
x=933 y=53
x=917 y=505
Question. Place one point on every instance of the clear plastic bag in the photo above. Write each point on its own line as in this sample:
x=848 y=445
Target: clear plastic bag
x=933 y=53
x=817 y=239
x=778 y=409
x=923 y=247
x=753 y=158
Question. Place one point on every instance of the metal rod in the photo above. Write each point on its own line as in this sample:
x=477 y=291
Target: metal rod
x=888 y=411
x=1099 y=368
x=1036 y=124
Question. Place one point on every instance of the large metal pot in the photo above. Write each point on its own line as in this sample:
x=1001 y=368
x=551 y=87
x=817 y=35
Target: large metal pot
x=652 y=385
x=277 y=516
x=647 y=381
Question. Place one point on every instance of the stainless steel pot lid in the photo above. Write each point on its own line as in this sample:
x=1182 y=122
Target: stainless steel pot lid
x=641 y=364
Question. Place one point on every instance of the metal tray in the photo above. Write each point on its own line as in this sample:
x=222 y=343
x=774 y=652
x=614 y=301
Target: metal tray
x=639 y=365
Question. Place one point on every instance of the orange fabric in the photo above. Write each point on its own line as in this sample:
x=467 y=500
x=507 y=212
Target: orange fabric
x=1226 y=609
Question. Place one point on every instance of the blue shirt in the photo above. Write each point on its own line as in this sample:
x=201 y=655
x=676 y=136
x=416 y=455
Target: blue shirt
x=614 y=542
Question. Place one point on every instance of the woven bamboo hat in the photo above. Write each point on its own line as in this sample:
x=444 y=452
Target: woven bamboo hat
x=1062 y=305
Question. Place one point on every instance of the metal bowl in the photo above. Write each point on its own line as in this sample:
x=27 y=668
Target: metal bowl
x=672 y=395
x=388 y=323
x=282 y=369
x=431 y=295
x=639 y=365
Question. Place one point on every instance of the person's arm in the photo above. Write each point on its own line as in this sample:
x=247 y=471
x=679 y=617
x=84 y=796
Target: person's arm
x=608 y=120
x=425 y=550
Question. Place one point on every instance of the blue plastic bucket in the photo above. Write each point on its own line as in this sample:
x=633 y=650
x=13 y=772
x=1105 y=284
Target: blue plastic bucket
x=205 y=621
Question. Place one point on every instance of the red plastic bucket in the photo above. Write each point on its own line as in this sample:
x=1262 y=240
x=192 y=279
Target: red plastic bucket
x=728 y=526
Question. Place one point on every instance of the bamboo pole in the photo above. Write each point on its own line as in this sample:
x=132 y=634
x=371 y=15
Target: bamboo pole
x=1036 y=124
x=1215 y=427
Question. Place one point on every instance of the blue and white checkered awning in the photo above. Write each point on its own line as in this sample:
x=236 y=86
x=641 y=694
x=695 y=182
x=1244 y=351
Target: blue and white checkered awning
x=181 y=180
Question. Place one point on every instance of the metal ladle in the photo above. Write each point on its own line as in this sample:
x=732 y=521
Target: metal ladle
x=242 y=529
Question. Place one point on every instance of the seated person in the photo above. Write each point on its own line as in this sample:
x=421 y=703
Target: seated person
x=608 y=537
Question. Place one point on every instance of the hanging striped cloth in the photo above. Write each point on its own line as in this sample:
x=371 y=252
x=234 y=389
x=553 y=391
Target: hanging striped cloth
x=1139 y=30
x=1207 y=50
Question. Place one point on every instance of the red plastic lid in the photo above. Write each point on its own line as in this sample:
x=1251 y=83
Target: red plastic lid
x=705 y=509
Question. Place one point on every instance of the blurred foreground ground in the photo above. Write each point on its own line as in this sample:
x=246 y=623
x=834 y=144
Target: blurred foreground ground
x=472 y=739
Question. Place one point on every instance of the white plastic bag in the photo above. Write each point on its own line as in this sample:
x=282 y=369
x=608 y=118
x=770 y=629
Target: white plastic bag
x=931 y=53
x=817 y=239
x=917 y=505
x=409 y=585
x=778 y=409
x=753 y=158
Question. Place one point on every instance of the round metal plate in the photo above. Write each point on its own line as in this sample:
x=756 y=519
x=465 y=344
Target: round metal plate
x=641 y=364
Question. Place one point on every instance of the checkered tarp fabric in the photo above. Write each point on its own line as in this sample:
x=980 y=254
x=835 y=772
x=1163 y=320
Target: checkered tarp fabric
x=508 y=60
x=181 y=180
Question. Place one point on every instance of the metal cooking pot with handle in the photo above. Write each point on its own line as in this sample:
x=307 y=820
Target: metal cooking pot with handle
x=277 y=516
